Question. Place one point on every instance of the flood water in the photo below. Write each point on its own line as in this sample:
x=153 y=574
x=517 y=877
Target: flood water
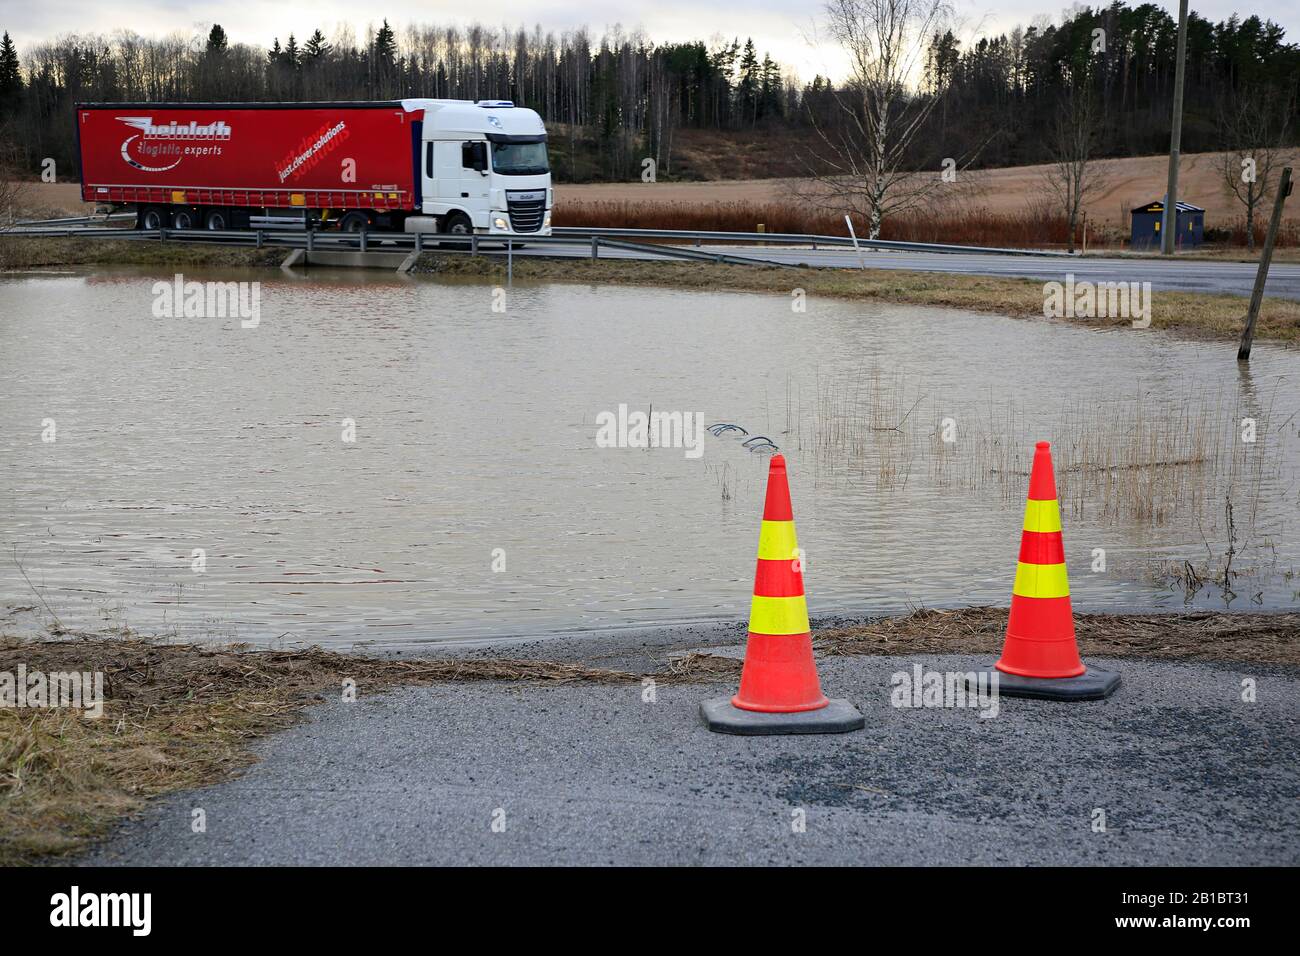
x=475 y=502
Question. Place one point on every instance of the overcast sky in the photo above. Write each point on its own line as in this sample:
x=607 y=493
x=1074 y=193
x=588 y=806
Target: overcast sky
x=778 y=26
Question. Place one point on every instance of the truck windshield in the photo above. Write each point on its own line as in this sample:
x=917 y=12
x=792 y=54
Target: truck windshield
x=519 y=159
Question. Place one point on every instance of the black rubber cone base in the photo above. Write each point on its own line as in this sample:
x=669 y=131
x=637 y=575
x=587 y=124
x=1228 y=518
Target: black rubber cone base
x=1093 y=684
x=837 y=717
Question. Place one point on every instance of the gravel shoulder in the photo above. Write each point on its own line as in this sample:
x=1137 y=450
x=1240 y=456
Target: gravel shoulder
x=1184 y=771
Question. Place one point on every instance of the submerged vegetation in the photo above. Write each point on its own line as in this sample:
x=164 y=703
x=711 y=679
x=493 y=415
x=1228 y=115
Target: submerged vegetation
x=1198 y=465
x=1142 y=458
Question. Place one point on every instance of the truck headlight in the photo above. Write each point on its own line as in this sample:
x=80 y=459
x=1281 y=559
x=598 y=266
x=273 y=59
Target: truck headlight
x=500 y=223
x=546 y=222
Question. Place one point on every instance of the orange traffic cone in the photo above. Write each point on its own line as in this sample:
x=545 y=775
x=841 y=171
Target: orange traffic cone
x=1040 y=657
x=779 y=690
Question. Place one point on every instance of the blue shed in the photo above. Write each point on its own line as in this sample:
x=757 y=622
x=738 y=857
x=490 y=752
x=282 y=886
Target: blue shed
x=1146 y=226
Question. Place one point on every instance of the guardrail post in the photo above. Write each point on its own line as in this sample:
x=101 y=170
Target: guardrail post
x=364 y=233
x=595 y=248
x=311 y=239
x=259 y=238
x=162 y=234
x=419 y=242
x=473 y=244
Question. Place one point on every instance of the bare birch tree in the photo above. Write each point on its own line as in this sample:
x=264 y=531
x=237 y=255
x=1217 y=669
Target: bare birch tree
x=1255 y=133
x=866 y=166
x=12 y=188
x=1071 y=177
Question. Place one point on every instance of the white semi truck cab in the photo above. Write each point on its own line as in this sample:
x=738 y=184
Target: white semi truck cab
x=483 y=169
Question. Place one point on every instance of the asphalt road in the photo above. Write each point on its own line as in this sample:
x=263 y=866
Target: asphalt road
x=1185 y=772
x=1185 y=275
x=1232 y=278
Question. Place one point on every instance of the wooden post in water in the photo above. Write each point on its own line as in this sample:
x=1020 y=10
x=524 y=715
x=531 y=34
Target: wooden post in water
x=1265 y=257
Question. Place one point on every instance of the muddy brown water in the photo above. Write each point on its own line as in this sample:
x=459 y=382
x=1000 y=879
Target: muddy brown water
x=475 y=501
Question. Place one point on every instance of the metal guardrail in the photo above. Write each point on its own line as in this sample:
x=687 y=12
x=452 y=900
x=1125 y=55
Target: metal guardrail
x=792 y=238
x=396 y=242
x=75 y=220
x=476 y=245
x=612 y=235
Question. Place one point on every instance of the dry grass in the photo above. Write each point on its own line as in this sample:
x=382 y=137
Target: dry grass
x=25 y=253
x=176 y=716
x=1022 y=229
x=1206 y=635
x=1031 y=225
x=180 y=716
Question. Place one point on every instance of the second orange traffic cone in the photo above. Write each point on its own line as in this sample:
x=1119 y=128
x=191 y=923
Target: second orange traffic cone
x=779 y=690
x=1040 y=657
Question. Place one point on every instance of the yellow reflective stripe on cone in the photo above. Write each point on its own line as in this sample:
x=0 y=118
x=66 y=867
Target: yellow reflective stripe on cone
x=1041 y=581
x=1042 y=515
x=776 y=541
x=778 y=615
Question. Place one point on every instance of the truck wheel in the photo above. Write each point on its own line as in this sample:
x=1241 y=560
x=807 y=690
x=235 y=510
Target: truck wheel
x=217 y=221
x=353 y=222
x=182 y=219
x=149 y=218
x=457 y=224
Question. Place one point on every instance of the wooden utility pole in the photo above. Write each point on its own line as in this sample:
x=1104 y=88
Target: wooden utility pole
x=1169 y=220
x=1257 y=294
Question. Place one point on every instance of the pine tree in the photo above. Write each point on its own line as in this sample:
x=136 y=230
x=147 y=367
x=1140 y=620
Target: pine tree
x=384 y=58
x=769 y=101
x=11 y=77
x=316 y=48
x=217 y=41
x=385 y=46
x=748 y=88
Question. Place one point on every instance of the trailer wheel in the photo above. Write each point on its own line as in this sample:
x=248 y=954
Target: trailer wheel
x=182 y=219
x=456 y=224
x=216 y=221
x=149 y=218
x=353 y=222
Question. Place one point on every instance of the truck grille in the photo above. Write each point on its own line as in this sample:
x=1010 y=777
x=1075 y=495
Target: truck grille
x=527 y=210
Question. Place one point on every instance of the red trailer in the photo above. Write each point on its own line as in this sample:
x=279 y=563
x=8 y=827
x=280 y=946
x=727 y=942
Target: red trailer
x=232 y=165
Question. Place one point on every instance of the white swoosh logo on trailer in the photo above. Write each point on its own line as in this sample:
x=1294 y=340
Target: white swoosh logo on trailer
x=139 y=165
